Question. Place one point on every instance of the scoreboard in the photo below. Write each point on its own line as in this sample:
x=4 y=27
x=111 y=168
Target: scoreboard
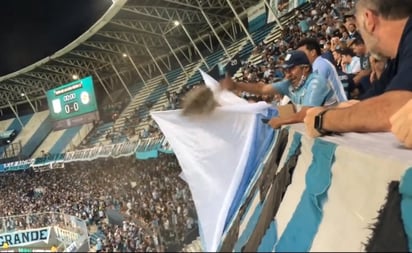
x=73 y=103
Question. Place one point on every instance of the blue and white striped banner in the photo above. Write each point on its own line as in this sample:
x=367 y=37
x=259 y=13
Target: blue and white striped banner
x=335 y=200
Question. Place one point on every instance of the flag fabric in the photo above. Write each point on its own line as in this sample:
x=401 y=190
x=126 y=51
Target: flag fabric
x=328 y=194
x=301 y=194
x=213 y=152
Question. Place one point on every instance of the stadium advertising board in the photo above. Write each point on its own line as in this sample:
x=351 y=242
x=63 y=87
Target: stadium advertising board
x=73 y=103
x=26 y=237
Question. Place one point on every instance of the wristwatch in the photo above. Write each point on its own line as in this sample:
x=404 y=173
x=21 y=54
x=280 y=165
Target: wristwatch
x=319 y=123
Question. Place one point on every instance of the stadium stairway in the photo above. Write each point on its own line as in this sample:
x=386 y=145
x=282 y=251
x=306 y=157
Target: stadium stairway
x=136 y=88
x=140 y=98
x=174 y=86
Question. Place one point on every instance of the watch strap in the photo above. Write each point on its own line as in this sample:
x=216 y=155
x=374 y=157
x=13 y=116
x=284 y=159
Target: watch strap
x=319 y=123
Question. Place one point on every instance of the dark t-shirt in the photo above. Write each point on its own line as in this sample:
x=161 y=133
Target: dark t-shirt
x=402 y=64
x=397 y=75
x=378 y=87
x=365 y=64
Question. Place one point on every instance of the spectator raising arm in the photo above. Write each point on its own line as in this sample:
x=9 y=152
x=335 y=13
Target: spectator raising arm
x=371 y=115
x=255 y=88
x=304 y=88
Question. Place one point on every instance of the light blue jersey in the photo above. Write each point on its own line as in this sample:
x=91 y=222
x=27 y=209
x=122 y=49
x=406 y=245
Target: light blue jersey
x=316 y=91
x=326 y=70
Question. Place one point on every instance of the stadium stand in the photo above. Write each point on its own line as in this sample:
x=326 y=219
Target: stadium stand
x=61 y=143
x=27 y=132
x=16 y=124
x=37 y=137
x=4 y=124
x=129 y=189
x=99 y=132
x=48 y=142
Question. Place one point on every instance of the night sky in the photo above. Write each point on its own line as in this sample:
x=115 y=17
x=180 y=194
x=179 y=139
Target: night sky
x=34 y=29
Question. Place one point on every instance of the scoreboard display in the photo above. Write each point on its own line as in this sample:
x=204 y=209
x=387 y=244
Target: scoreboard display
x=73 y=103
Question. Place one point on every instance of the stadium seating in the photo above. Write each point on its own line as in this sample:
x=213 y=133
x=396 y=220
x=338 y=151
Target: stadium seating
x=242 y=46
x=4 y=124
x=48 y=142
x=16 y=124
x=30 y=132
x=100 y=132
x=64 y=140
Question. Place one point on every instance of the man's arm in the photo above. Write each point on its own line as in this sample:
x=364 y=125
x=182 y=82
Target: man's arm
x=254 y=88
x=358 y=77
x=371 y=115
x=402 y=124
x=298 y=117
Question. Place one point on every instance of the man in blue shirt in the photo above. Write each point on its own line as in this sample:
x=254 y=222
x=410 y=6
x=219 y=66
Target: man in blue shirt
x=323 y=67
x=386 y=27
x=304 y=88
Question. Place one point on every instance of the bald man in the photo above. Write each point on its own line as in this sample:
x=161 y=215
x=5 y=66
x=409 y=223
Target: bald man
x=386 y=28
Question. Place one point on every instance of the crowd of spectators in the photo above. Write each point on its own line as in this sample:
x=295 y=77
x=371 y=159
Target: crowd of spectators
x=157 y=205
x=332 y=25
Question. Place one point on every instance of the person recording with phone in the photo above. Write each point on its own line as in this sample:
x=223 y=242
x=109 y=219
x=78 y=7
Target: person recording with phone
x=304 y=88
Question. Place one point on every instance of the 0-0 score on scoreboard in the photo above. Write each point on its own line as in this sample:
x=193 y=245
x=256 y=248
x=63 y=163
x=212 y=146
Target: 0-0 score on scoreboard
x=72 y=100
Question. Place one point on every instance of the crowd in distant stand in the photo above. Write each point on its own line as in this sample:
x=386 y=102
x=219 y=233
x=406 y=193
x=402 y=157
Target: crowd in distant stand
x=157 y=205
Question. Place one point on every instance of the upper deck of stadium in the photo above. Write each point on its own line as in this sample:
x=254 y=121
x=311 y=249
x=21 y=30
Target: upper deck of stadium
x=133 y=41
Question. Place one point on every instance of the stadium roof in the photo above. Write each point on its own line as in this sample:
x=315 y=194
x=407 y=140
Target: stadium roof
x=131 y=32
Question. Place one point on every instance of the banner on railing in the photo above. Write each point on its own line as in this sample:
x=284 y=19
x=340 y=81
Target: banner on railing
x=147 y=148
x=26 y=237
x=151 y=149
x=16 y=165
x=114 y=150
